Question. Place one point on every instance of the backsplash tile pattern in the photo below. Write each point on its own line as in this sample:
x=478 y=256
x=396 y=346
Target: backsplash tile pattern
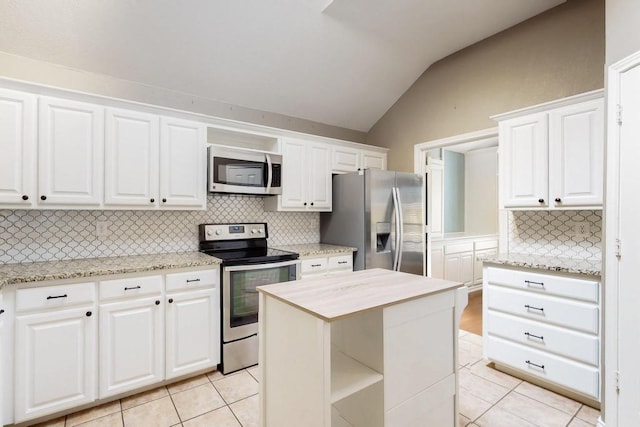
x=35 y=235
x=548 y=233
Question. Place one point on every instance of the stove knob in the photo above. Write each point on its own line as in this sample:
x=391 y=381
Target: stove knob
x=254 y=231
x=217 y=232
x=209 y=232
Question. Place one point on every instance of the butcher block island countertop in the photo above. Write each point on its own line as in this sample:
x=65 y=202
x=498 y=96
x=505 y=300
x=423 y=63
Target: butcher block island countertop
x=370 y=348
x=334 y=297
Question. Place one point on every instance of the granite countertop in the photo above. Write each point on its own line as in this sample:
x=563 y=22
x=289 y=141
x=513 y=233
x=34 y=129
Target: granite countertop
x=565 y=265
x=315 y=249
x=341 y=295
x=72 y=269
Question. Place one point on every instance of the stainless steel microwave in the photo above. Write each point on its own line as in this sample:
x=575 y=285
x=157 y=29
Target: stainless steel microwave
x=241 y=171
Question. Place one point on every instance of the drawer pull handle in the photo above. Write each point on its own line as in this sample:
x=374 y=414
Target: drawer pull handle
x=1 y=311
x=131 y=288
x=192 y=280
x=530 y=363
x=316 y=265
x=530 y=307
x=57 y=296
x=531 y=282
x=343 y=262
x=540 y=337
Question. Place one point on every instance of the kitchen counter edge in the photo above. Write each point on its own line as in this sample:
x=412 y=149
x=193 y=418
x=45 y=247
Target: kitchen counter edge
x=556 y=264
x=11 y=274
x=316 y=249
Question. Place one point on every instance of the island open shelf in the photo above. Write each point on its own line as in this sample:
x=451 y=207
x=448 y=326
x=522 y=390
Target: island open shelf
x=371 y=348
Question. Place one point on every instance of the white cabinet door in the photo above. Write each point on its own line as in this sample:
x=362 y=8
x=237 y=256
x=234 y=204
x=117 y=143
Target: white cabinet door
x=306 y=177
x=70 y=144
x=131 y=345
x=345 y=159
x=466 y=262
x=477 y=267
x=131 y=158
x=373 y=160
x=458 y=267
x=17 y=148
x=192 y=332
x=182 y=164
x=525 y=163
x=319 y=177
x=55 y=362
x=294 y=176
x=437 y=261
x=3 y=349
x=576 y=153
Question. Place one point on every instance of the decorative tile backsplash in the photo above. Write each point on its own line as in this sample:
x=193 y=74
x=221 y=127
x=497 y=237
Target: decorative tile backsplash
x=552 y=233
x=46 y=235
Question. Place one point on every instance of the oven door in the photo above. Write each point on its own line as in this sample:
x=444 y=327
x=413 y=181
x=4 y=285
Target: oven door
x=240 y=298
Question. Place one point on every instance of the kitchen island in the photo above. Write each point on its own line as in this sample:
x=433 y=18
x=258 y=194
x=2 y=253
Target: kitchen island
x=363 y=349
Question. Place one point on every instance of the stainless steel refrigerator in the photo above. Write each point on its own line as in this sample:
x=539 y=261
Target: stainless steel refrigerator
x=380 y=213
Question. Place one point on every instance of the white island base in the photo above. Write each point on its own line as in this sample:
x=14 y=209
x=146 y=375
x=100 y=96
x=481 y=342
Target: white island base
x=365 y=349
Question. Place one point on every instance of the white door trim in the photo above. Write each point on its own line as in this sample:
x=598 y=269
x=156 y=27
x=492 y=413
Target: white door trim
x=610 y=278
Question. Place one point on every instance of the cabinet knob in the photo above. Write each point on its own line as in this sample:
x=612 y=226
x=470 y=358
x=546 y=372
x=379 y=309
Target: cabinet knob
x=88 y=313
x=25 y=197
x=305 y=203
x=311 y=203
x=43 y=197
x=540 y=200
x=170 y=300
x=152 y=200
x=164 y=200
x=1 y=311
x=558 y=200
x=157 y=302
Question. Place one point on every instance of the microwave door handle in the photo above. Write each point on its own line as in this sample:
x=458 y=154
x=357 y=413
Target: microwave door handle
x=269 y=173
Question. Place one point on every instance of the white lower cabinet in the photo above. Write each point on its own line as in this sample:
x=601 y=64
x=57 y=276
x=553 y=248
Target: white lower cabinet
x=457 y=258
x=326 y=265
x=192 y=331
x=55 y=361
x=2 y=360
x=131 y=334
x=76 y=343
x=545 y=326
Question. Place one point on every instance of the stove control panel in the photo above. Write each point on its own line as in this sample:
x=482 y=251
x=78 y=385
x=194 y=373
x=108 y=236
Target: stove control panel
x=233 y=231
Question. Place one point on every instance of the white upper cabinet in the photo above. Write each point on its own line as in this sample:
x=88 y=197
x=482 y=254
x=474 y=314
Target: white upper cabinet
x=17 y=148
x=182 y=164
x=349 y=159
x=306 y=177
x=70 y=156
x=132 y=148
x=576 y=153
x=553 y=157
x=525 y=158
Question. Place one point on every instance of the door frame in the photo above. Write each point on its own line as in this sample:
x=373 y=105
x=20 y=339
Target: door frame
x=420 y=167
x=611 y=277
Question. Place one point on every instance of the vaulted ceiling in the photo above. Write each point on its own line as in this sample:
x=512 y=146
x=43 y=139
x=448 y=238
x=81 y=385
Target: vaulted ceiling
x=339 y=62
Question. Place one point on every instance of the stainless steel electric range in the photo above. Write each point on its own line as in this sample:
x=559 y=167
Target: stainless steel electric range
x=247 y=262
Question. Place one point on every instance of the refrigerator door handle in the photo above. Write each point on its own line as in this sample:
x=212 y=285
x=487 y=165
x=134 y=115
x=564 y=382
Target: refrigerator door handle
x=396 y=213
x=399 y=246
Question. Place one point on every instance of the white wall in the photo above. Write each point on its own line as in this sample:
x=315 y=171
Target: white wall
x=481 y=191
x=622 y=35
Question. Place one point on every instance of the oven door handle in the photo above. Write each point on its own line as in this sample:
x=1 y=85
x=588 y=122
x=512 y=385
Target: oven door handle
x=269 y=173
x=261 y=266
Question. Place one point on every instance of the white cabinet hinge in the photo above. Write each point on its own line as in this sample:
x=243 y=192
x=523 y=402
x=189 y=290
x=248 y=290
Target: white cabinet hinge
x=618 y=248
x=619 y=114
x=617 y=381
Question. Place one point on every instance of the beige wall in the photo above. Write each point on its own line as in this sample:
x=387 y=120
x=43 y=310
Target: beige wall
x=556 y=54
x=623 y=34
x=31 y=70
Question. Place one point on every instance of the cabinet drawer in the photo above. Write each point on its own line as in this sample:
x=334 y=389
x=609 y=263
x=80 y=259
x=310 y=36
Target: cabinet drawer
x=57 y=297
x=486 y=244
x=130 y=287
x=586 y=290
x=458 y=248
x=192 y=279
x=573 y=375
x=342 y=262
x=571 y=314
x=313 y=265
x=563 y=342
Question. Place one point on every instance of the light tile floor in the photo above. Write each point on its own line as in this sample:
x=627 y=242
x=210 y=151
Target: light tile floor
x=488 y=398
